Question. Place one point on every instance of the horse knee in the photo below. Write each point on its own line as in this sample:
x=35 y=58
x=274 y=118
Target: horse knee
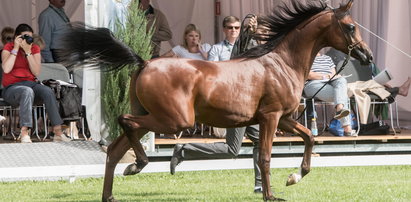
x=310 y=141
x=127 y=123
x=264 y=163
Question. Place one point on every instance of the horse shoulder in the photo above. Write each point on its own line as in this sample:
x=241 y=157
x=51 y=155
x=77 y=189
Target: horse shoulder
x=283 y=85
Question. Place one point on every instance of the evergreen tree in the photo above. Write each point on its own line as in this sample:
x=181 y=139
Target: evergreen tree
x=115 y=89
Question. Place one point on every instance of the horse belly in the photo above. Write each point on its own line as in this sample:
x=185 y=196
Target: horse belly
x=226 y=111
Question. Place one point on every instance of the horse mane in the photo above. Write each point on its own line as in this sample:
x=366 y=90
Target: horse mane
x=283 y=19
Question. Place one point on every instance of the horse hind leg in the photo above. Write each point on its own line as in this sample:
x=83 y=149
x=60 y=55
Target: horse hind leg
x=115 y=152
x=134 y=133
x=292 y=126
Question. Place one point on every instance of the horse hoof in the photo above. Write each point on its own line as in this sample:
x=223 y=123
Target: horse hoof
x=134 y=168
x=293 y=179
x=110 y=199
x=272 y=198
x=131 y=169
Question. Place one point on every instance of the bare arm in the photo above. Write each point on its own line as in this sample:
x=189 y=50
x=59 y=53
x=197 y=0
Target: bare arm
x=318 y=76
x=169 y=54
x=9 y=58
x=203 y=52
x=322 y=76
x=34 y=60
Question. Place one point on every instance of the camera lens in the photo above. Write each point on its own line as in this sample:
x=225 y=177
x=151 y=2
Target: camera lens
x=28 y=38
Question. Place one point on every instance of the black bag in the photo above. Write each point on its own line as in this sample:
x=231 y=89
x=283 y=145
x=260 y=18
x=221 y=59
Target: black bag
x=374 y=128
x=68 y=98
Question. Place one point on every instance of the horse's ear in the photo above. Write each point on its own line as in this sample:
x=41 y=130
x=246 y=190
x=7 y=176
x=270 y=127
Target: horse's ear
x=347 y=7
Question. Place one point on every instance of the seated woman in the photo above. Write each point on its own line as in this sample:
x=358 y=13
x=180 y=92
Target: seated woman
x=192 y=47
x=21 y=64
x=322 y=70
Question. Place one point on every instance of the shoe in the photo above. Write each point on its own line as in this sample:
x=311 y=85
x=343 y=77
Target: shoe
x=342 y=113
x=61 y=138
x=258 y=190
x=25 y=139
x=177 y=157
x=352 y=133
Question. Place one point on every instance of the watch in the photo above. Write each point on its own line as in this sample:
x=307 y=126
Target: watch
x=28 y=54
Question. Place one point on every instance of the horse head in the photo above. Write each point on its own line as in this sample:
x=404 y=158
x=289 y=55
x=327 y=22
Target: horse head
x=346 y=35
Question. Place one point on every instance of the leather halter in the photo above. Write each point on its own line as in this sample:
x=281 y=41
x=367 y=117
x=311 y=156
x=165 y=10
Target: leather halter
x=351 y=46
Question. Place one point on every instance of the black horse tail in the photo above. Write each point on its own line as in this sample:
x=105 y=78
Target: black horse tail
x=90 y=46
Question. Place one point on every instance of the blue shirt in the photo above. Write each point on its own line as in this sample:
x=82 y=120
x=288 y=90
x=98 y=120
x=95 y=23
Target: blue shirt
x=53 y=23
x=221 y=51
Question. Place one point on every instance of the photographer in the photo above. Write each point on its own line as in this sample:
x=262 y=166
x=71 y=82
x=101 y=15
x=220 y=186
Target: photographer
x=21 y=64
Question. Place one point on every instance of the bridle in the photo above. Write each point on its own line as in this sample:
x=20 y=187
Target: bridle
x=350 y=47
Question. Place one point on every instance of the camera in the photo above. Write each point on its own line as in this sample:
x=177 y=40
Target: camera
x=28 y=38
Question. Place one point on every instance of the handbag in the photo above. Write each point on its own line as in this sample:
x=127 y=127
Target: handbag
x=374 y=128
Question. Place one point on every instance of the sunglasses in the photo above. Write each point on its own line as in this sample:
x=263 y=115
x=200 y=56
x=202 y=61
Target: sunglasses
x=232 y=27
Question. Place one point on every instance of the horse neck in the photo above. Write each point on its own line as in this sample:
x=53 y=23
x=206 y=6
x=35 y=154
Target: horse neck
x=299 y=47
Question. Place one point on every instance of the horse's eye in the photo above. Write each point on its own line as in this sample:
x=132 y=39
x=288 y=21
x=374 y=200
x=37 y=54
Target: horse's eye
x=351 y=28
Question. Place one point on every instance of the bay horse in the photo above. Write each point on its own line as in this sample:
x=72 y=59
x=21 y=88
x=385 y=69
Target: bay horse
x=263 y=86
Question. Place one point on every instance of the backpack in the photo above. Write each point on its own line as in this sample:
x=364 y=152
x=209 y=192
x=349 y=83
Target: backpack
x=68 y=98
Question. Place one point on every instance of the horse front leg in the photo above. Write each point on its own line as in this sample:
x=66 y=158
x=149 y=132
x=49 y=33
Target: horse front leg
x=115 y=152
x=292 y=126
x=268 y=126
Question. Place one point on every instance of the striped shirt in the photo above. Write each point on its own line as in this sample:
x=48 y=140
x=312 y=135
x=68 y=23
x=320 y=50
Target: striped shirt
x=323 y=64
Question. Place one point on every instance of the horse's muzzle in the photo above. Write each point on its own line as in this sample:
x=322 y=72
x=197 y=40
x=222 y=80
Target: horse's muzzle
x=363 y=55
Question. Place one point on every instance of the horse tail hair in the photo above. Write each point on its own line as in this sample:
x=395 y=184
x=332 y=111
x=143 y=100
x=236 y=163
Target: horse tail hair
x=91 y=46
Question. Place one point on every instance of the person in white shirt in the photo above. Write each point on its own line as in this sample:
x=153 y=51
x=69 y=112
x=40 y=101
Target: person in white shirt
x=192 y=47
x=222 y=51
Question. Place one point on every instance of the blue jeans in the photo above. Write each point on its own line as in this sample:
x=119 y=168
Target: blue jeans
x=335 y=91
x=24 y=93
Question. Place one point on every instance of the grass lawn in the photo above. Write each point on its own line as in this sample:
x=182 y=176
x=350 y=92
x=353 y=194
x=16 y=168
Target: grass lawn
x=383 y=183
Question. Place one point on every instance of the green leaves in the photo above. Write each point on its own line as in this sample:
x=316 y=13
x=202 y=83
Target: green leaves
x=115 y=84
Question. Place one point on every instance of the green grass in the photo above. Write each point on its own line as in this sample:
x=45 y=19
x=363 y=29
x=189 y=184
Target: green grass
x=383 y=183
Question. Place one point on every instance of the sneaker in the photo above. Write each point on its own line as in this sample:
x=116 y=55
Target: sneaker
x=342 y=113
x=61 y=138
x=353 y=133
x=25 y=139
x=258 y=190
